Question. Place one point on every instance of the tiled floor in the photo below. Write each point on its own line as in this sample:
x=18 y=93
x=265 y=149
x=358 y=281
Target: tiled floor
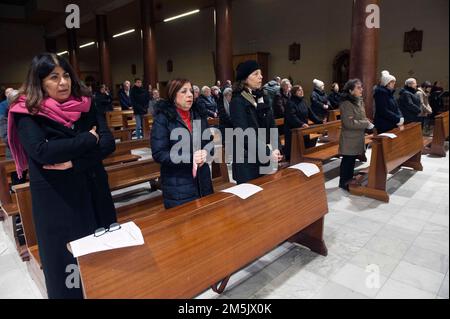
x=376 y=250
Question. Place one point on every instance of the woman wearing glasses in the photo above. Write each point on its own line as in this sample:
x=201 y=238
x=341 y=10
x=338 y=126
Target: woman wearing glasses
x=354 y=125
x=56 y=133
x=177 y=130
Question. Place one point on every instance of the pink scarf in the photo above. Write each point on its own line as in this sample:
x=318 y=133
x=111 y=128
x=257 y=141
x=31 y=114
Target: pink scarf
x=65 y=113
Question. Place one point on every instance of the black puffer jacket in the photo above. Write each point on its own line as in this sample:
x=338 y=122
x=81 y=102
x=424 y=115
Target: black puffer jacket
x=387 y=113
x=178 y=184
x=318 y=100
x=409 y=104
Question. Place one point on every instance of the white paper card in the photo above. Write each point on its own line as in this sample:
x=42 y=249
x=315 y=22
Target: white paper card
x=244 y=191
x=128 y=235
x=309 y=169
x=390 y=135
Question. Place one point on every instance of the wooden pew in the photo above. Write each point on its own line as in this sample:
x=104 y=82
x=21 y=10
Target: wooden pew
x=119 y=176
x=213 y=121
x=9 y=208
x=436 y=145
x=320 y=153
x=128 y=120
x=114 y=119
x=23 y=196
x=334 y=115
x=126 y=175
x=388 y=155
x=197 y=245
x=2 y=151
x=122 y=135
x=147 y=126
x=123 y=154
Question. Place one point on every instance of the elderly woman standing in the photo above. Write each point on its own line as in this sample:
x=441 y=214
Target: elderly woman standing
x=387 y=113
x=185 y=176
x=354 y=124
x=55 y=132
x=423 y=92
x=224 y=111
x=249 y=111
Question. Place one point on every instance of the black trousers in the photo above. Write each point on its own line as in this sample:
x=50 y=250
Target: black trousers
x=347 y=169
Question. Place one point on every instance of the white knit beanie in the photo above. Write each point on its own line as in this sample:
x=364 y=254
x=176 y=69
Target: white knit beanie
x=386 y=77
x=318 y=84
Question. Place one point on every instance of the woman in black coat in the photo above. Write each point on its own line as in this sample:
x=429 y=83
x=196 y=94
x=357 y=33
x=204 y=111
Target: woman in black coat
x=249 y=111
x=387 y=113
x=297 y=115
x=185 y=174
x=319 y=100
x=62 y=139
x=409 y=102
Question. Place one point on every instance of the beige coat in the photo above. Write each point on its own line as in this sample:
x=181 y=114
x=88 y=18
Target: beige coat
x=354 y=124
x=424 y=103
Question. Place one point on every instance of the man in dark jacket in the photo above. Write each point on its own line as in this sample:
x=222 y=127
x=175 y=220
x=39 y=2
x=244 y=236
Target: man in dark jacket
x=103 y=100
x=409 y=102
x=387 y=113
x=124 y=96
x=207 y=102
x=335 y=97
x=224 y=111
x=271 y=89
x=319 y=100
x=139 y=99
x=297 y=115
x=281 y=99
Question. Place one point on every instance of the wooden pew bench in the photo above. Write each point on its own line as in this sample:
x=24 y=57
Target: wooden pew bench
x=197 y=245
x=10 y=210
x=123 y=135
x=114 y=119
x=387 y=156
x=2 y=151
x=436 y=145
x=119 y=177
x=334 y=115
x=123 y=154
x=319 y=153
x=147 y=126
x=128 y=119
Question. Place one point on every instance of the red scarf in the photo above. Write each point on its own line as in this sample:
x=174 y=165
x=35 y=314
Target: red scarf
x=186 y=117
x=65 y=113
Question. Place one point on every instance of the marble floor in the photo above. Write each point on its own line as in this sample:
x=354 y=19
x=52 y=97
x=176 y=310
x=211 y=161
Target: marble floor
x=398 y=250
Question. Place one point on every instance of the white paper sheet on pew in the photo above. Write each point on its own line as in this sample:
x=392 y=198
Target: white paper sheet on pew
x=309 y=169
x=390 y=135
x=244 y=191
x=128 y=235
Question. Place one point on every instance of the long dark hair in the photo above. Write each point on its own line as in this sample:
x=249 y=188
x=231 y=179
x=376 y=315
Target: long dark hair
x=41 y=66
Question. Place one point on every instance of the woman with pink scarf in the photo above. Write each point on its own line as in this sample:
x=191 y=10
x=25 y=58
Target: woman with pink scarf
x=55 y=133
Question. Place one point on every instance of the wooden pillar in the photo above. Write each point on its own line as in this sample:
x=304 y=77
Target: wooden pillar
x=72 y=47
x=103 y=50
x=364 y=51
x=50 y=45
x=149 y=43
x=224 y=41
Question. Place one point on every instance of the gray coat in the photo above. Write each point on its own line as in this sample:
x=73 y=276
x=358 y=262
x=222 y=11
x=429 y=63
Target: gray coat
x=354 y=124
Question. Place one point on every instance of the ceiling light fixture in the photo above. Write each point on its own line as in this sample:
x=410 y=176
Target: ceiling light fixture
x=182 y=15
